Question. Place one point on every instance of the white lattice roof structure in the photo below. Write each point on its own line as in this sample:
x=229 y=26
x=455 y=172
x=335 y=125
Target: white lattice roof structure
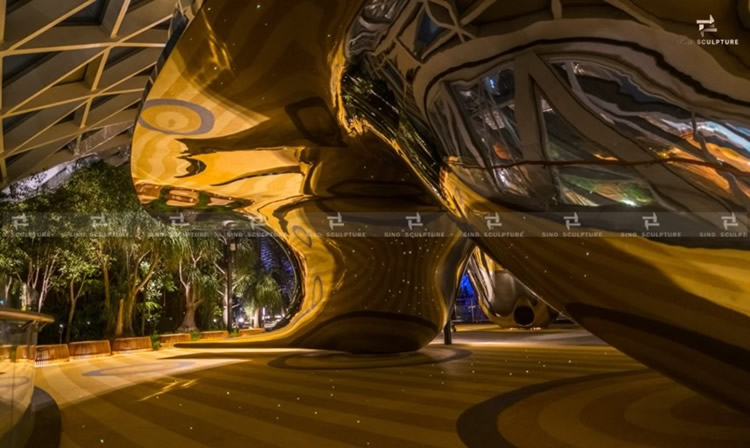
x=73 y=74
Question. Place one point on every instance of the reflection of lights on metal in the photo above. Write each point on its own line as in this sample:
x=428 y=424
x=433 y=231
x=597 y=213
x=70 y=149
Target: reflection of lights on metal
x=174 y=384
x=466 y=187
x=605 y=157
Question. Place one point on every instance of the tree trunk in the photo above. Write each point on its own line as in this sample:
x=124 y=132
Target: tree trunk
x=119 y=324
x=73 y=300
x=6 y=290
x=27 y=301
x=191 y=305
x=256 y=319
x=127 y=315
x=43 y=291
x=32 y=296
x=108 y=305
x=188 y=322
x=224 y=309
x=143 y=319
x=28 y=293
x=105 y=280
x=49 y=269
x=136 y=286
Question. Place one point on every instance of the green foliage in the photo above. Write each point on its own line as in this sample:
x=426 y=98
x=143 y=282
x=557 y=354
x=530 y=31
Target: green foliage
x=195 y=335
x=261 y=290
x=267 y=294
x=77 y=263
x=161 y=282
x=155 y=343
x=11 y=256
x=99 y=188
x=136 y=275
x=148 y=309
x=75 y=273
x=196 y=263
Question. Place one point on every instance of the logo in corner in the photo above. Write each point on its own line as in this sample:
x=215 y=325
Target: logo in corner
x=572 y=221
x=707 y=25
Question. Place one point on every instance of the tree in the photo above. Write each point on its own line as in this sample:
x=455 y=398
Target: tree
x=245 y=269
x=11 y=264
x=261 y=292
x=197 y=275
x=42 y=257
x=273 y=258
x=122 y=274
x=147 y=244
x=75 y=273
x=107 y=193
x=30 y=245
x=101 y=251
x=150 y=308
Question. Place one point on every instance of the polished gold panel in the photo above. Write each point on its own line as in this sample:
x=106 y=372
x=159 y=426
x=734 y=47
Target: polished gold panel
x=575 y=124
x=275 y=146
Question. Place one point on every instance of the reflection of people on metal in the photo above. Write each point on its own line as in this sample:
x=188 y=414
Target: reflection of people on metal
x=503 y=299
x=533 y=111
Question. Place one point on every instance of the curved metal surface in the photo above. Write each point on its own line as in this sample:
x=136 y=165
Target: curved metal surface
x=551 y=117
x=276 y=147
x=503 y=299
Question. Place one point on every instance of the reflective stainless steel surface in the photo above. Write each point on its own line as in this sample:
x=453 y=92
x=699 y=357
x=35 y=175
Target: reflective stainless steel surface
x=503 y=299
x=575 y=123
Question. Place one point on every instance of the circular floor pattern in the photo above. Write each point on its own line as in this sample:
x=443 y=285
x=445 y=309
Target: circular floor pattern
x=345 y=361
x=12 y=382
x=620 y=410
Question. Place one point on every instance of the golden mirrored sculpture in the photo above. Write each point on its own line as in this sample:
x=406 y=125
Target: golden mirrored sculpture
x=599 y=151
x=503 y=299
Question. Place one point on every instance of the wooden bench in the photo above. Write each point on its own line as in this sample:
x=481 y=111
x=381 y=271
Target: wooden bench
x=51 y=354
x=169 y=340
x=89 y=349
x=132 y=345
x=214 y=335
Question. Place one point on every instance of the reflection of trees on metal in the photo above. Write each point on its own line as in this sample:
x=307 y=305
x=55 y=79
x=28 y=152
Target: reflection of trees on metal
x=503 y=299
x=285 y=158
x=531 y=110
x=275 y=260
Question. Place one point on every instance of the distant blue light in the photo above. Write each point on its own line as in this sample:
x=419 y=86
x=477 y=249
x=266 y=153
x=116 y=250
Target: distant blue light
x=492 y=83
x=466 y=289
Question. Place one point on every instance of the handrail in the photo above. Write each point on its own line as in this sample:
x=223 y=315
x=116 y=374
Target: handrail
x=14 y=314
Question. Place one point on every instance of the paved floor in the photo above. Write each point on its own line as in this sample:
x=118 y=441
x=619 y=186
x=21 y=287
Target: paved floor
x=492 y=388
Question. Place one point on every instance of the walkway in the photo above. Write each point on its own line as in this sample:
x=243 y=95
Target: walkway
x=492 y=389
